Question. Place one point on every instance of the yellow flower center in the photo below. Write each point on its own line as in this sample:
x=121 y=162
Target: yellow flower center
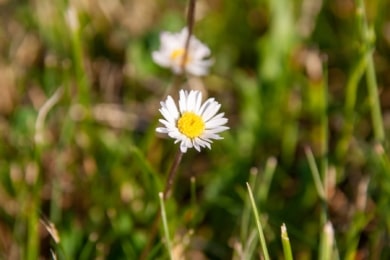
x=177 y=55
x=190 y=125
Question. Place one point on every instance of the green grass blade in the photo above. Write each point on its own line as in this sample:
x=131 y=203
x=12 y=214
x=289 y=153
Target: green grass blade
x=258 y=223
x=266 y=181
x=327 y=242
x=286 y=243
x=165 y=225
x=315 y=173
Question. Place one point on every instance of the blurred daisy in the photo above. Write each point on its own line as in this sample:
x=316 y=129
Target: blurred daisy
x=172 y=49
x=193 y=124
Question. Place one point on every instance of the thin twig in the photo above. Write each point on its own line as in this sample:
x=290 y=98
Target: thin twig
x=190 y=26
x=172 y=174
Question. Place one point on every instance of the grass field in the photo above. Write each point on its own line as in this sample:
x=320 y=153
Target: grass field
x=305 y=86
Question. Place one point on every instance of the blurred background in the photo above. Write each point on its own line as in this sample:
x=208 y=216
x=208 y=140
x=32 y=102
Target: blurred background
x=81 y=165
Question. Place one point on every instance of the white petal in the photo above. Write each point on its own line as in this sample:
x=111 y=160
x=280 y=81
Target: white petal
x=167 y=39
x=188 y=142
x=161 y=59
x=218 y=129
x=197 y=70
x=214 y=122
x=201 y=51
x=196 y=146
x=198 y=102
x=183 y=148
x=202 y=143
x=182 y=36
x=162 y=130
x=215 y=130
x=171 y=106
x=167 y=115
x=218 y=116
x=183 y=101
x=169 y=110
x=205 y=105
x=169 y=126
x=176 y=69
x=191 y=100
x=175 y=134
x=210 y=110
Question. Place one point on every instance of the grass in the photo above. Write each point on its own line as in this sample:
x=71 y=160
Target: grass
x=305 y=89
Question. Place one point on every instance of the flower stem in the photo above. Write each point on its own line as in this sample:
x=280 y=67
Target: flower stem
x=190 y=26
x=172 y=174
x=165 y=195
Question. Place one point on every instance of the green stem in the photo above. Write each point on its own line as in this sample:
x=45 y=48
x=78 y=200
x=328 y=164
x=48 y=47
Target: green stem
x=374 y=99
x=33 y=227
x=350 y=101
x=368 y=37
x=324 y=130
x=352 y=85
x=245 y=221
x=77 y=52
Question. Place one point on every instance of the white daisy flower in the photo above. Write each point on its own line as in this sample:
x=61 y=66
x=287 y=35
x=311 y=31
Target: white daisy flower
x=193 y=124
x=172 y=49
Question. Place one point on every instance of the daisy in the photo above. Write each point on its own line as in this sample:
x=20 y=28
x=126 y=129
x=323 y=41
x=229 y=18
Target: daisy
x=193 y=124
x=172 y=49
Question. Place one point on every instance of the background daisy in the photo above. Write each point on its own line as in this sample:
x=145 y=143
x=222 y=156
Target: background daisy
x=172 y=50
